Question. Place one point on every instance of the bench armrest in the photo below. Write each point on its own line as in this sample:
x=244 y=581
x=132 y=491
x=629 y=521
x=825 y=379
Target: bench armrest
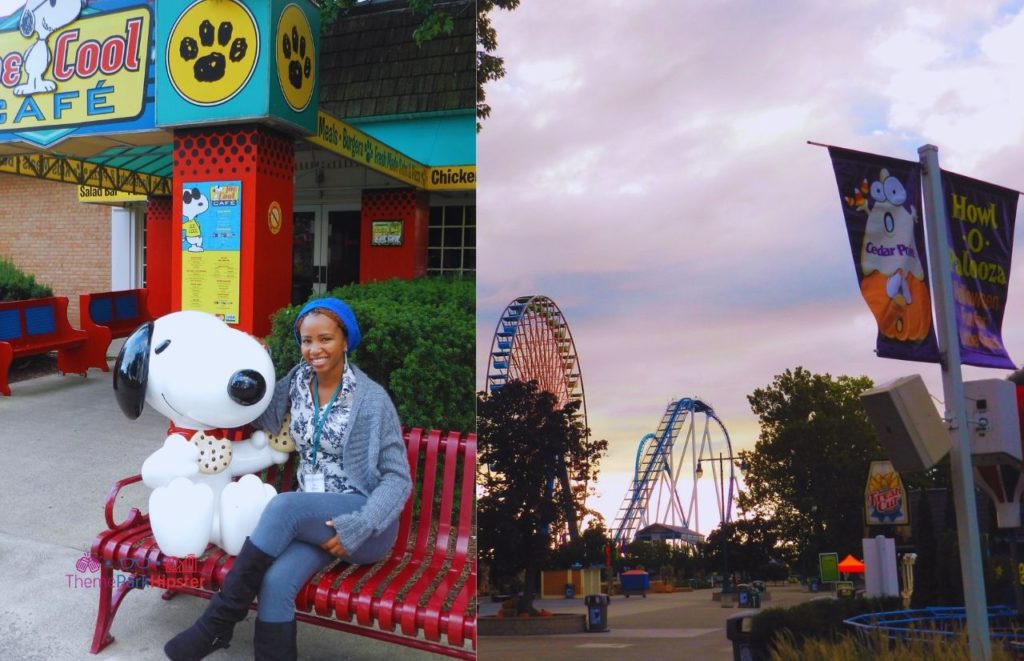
x=135 y=517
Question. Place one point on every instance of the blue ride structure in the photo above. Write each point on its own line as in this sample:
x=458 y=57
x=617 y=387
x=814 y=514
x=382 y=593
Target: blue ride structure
x=690 y=440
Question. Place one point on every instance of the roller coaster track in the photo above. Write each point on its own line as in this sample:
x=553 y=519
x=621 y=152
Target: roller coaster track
x=654 y=462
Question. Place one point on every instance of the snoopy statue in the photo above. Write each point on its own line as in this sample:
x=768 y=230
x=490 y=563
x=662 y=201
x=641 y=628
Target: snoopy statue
x=210 y=380
x=42 y=18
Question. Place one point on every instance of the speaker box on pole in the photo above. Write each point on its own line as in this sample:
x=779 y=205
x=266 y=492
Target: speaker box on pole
x=908 y=426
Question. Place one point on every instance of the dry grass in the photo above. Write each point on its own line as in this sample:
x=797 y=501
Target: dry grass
x=878 y=648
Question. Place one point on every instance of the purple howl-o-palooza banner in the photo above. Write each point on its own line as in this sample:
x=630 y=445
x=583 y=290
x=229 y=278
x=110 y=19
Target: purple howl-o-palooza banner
x=881 y=200
x=981 y=218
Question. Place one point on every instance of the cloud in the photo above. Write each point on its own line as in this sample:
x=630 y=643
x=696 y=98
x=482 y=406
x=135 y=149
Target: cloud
x=663 y=193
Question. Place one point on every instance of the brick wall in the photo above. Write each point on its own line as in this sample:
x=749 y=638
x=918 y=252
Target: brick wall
x=48 y=233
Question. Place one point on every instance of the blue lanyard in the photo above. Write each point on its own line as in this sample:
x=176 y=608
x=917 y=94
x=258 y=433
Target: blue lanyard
x=320 y=416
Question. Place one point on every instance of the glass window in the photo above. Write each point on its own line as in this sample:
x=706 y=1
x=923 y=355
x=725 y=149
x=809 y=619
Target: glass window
x=452 y=241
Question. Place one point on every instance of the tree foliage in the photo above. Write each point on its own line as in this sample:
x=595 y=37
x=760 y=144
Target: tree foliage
x=669 y=562
x=418 y=342
x=810 y=463
x=752 y=546
x=523 y=437
x=488 y=65
x=588 y=550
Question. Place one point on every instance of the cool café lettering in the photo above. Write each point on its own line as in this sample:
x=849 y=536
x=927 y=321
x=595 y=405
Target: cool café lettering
x=71 y=59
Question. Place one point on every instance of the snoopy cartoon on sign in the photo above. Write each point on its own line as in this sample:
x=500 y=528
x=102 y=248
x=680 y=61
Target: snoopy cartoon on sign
x=193 y=203
x=42 y=18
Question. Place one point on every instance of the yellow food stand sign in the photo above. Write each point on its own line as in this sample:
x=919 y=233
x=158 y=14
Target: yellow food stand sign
x=95 y=194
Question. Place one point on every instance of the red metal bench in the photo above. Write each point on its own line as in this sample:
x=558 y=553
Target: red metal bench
x=40 y=325
x=421 y=596
x=110 y=314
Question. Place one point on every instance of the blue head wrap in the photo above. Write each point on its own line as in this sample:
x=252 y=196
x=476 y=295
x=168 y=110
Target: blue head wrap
x=344 y=312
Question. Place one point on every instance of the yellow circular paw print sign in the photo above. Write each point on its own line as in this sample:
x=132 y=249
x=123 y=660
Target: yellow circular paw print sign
x=212 y=51
x=296 y=57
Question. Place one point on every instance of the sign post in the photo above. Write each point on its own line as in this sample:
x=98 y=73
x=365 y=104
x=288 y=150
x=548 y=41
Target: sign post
x=956 y=413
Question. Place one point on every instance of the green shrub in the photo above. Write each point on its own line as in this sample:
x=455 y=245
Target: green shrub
x=418 y=342
x=820 y=619
x=16 y=285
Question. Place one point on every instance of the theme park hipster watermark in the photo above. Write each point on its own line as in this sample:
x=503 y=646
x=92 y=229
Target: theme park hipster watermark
x=177 y=575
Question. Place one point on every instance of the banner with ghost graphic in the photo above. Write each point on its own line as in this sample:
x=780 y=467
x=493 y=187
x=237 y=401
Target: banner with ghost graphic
x=981 y=219
x=881 y=200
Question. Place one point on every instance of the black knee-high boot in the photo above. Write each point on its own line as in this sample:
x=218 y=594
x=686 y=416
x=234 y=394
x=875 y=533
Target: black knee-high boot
x=275 y=641
x=212 y=631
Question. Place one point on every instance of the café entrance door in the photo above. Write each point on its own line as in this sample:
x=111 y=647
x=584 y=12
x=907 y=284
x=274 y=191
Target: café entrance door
x=325 y=250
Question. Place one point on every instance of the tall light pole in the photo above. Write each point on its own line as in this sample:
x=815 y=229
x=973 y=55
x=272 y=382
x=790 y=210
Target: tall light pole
x=739 y=462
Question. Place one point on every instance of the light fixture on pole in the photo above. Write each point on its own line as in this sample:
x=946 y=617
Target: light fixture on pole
x=739 y=462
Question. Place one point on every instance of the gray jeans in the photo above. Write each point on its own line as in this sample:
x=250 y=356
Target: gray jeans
x=291 y=529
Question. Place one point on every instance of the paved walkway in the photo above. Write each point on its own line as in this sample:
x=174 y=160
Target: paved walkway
x=682 y=625
x=63 y=443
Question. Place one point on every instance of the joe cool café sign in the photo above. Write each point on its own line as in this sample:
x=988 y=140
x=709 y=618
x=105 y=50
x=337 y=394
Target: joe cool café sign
x=64 y=64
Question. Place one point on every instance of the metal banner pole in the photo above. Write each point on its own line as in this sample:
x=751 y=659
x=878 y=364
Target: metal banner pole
x=956 y=409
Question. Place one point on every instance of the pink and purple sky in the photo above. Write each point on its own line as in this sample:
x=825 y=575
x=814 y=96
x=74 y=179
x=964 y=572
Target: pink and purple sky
x=646 y=167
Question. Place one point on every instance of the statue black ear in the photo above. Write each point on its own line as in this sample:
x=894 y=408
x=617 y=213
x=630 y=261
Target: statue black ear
x=131 y=371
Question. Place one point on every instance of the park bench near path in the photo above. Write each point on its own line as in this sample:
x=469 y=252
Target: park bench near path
x=109 y=315
x=421 y=596
x=36 y=326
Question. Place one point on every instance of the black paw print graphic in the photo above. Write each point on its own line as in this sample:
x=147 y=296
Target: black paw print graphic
x=301 y=67
x=211 y=67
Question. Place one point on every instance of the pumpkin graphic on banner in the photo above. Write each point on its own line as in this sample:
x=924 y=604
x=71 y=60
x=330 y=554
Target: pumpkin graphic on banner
x=881 y=200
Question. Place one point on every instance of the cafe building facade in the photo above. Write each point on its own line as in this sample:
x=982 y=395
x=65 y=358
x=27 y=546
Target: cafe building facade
x=315 y=159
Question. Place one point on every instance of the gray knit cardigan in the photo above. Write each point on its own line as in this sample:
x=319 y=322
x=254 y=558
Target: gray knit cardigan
x=375 y=455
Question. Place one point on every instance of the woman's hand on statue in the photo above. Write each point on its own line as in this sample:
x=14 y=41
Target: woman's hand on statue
x=333 y=545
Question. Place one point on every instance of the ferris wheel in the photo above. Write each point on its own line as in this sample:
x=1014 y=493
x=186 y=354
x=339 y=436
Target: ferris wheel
x=691 y=442
x=532 y=342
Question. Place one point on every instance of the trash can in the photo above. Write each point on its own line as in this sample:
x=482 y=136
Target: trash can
x=635 y=581
x=755 y=598
x=570 y=591
x=814 y=585
x=743 y=597
x=597 y=612
x=737 y=630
